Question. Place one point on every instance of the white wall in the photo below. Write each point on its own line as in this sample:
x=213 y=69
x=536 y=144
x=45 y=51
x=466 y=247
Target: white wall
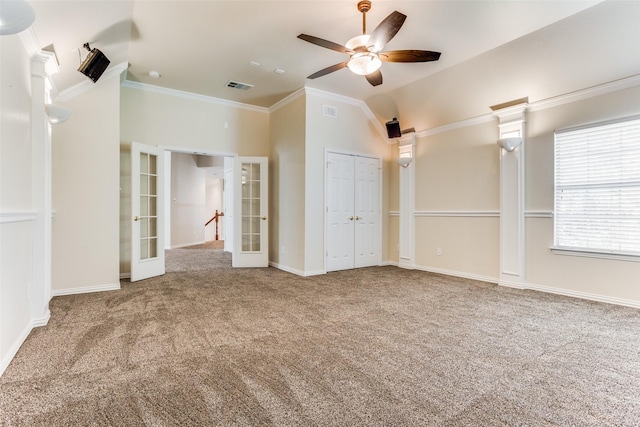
x=188 y=204
x=16 y=215
x=287 y=182
x=350 y=132
x=86 y=192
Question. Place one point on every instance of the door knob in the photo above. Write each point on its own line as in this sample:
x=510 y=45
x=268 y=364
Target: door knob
x=264 y=218
x=358 y=218
x=351 y=218
x=135 y=218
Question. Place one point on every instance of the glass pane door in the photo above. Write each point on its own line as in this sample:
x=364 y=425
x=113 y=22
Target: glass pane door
x=148 y=217
x=251 y=217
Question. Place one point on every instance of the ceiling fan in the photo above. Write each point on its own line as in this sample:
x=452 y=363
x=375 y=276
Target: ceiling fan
x=365 y=51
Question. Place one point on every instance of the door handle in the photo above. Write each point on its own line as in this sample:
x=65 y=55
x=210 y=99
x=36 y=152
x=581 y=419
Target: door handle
x=264 y=218
x=135 y=218
x=358 y=218
x=351 y=218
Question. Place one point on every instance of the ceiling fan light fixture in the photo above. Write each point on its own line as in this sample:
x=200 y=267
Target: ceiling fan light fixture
x=364 y=63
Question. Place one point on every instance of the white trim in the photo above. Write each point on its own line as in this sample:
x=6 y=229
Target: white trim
x=126 y=276
x=463 y=214
x=453 y=273
x=86 y=289
x=389 y=263
x=394 y=213
x=538 y=214
x=591 y=92
x=583 y=295
x=580 y=252
x=192 y=96
x=286 y=100
x=486 y=118
x=8 y=217
x=296 y=271
x=87 y=84
x=543 y=104
x=13 y=350
x=42 y=321
x=539 y=288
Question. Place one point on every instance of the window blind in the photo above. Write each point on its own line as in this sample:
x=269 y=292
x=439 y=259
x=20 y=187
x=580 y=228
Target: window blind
x=597 y=187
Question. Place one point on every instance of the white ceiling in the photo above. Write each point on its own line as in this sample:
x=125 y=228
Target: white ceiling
x=199 y=46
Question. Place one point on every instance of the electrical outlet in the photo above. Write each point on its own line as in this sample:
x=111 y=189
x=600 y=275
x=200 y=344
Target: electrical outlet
x=438 y=251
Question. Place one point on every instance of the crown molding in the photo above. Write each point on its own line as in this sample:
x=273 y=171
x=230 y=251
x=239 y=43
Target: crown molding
x=84 y=86
x=286 y=100
x=192 y=96
x=590 y=92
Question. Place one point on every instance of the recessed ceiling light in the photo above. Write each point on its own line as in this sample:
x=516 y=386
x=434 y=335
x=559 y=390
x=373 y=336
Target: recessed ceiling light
x=154 y=74
x=278 y=70
x=254 y=64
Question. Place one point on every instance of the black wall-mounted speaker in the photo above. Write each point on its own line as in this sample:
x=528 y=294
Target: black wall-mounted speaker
x=94 y=65
x=393 y=128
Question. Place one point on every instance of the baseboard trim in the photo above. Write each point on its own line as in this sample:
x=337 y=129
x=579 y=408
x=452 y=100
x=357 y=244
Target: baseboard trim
x=13 y=350
x=478 y=277
x=296 y=271
x=86 y=289
x=583 y=295
x=534 y=287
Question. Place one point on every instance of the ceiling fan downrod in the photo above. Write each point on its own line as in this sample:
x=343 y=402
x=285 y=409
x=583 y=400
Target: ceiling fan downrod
x=364 y=6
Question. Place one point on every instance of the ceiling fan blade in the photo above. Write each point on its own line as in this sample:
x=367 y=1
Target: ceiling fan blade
x=324 y=43
x=386 y=30
x=374 y=78
x=328 y=70
x=409 y=56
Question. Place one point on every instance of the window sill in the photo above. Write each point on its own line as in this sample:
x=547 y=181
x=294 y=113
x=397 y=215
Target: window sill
x=618 y=256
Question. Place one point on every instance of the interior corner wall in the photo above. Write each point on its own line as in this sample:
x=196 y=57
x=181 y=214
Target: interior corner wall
x=457 y=202
x=16 y=215
x=287 y=184
x=188 y=205
x=85 y=192
x=350 y=132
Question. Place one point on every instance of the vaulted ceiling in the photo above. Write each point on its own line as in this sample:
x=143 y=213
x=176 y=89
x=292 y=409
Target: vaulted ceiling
x=199 y=46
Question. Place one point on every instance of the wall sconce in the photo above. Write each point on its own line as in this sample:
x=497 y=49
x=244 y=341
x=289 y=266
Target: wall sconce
x=404 y=161
x=15 y=17
x=510 y=144
x=57 y=115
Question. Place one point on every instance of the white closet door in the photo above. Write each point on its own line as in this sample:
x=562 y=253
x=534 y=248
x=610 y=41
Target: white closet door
x=367 y=212
x=340 y=212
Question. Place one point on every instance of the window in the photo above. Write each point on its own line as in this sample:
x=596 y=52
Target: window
x=597 y=188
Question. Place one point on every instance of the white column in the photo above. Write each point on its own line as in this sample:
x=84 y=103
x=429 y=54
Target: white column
x=406 y=147
x=42 y=66
x=512 y=197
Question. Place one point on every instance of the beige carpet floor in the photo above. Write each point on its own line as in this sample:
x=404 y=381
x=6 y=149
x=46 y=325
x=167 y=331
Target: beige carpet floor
x=209 y=345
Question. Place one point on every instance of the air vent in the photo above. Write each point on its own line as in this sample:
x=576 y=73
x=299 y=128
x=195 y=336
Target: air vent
x=329 y=111
x=239 y=85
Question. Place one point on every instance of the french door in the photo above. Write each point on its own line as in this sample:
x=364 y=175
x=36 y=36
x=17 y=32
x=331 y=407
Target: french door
x=250 y=210
x=353 y=212
x=147 y=206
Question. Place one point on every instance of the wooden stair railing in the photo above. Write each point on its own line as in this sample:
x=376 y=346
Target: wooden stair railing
x=215 y=218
